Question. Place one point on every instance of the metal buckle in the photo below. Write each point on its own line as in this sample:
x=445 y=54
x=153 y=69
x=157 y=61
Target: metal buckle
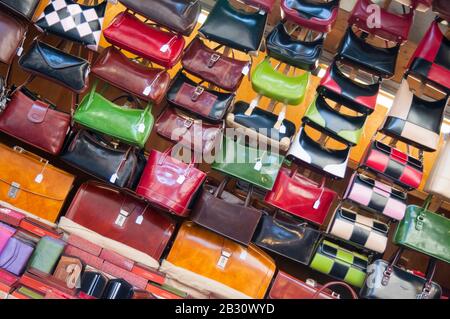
x=386 y=276
x=214 y=58
x=13 y=190
x=121 y=217
x=198 y=91
x=223 y=260
x=188 y=123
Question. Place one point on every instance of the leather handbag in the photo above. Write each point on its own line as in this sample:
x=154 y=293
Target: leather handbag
x=268 y=81
x=23 y=8
x=226 y=214
x=30 y=183
x=234 y=28
x=338 y=87
x=317 y=16
x=120 y=215
x=170 y=183
x=359 y=230
x=195 y=98
x=425 y=231
x=6 y=232
x=46 y=254
x=73 y=21
x=414 y=120
x=340 y=263
x=346 y=128
x=266 y=5
x=401 y=168
x=392 y=26
x=441 y=7
x=15 y=255
x=132 y=126
x=13 y=35
x=178 y=15
x=149 y=84
x=377 y=61
x=192 y=133
x=376 y=196
x=438 y=181
x=35 y=122
x=431 y=60
x=222 y=262
x=386 y=280
x=259 y=167
x=287 y=237
x=214 y=67
x=95 y=155
x=330 y=161
x=300 y=54
x=262 y=125
x=146 y=41
x=300 y=196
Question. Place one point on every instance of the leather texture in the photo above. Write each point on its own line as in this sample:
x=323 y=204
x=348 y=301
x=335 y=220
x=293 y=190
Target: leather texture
x=6 y=233
x=170 y=183
x=55 y=65
x=301 y=54
x=147 y=41
x=234 y=28
x=214 y=67
x=35 y=122
x=195 y=98
x=23 y=8
x=15 y=255
x=266 y=5
x=13 y=34
x=245 y=269
x=438 y=181
x=28 y=182
x=93 y=284
x=118 y=289
x=68 y=271
x=149 y=84
x=95 y=155
x=46 y=254
x=121 y=216
x=441 y=7
x=178 y=15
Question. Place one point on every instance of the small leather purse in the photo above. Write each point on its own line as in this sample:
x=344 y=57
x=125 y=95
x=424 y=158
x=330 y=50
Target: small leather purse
x=438 y=181
x=195 y=98
x=23 y=8
x=13 y=36
x=15 y=255
x=6 y=232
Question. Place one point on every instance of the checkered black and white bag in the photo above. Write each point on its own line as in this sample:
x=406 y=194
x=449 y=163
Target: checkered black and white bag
x=73 y=21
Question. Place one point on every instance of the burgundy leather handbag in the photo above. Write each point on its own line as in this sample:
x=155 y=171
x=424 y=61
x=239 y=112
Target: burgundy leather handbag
x=170 y=183
x=13 y=35
x=145 y=40
x=214 y=67
x=35 y=122
x=149 y=84
x=121 y=216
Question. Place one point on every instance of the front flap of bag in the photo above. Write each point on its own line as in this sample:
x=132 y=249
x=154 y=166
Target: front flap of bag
x=334 y=252
x=363 y=221
x=57 y=59
x=380 y=188
x=399 y=156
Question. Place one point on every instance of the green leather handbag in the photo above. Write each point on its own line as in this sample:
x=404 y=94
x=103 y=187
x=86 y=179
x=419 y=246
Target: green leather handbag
x=132 y=126
x=259 y=167
x=425 y=231
x=267 y=81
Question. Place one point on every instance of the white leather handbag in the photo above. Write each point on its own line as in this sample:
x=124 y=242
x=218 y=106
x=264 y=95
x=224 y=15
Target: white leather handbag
x=439 y=179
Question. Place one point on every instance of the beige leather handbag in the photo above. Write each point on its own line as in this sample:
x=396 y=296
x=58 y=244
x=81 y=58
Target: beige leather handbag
x=439 y=179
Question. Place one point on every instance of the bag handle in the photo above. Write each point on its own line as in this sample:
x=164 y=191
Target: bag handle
x=219 y=191
x=335 y=283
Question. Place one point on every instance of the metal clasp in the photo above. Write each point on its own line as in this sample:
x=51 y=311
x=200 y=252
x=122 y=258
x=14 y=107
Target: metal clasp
x=214 y=58
x=198 y=91
x=13 y=190
x=223 y=260
x=122 y=217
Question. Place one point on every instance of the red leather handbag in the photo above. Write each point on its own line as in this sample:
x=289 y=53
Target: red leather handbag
x=35 y=122
x=266 y=5
x=145 y=40
x=149 y=84
x=13 y=35
x=299 y=196
x=170 y=183
x=393 y=27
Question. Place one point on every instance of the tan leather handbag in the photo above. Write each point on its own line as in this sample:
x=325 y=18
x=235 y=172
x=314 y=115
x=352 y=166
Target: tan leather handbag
x=439 y=179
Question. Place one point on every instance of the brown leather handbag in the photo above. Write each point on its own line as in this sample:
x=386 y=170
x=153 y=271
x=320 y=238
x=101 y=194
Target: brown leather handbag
x=30 y=183
x=13 y=35
x=149 y=84
x=226 y=214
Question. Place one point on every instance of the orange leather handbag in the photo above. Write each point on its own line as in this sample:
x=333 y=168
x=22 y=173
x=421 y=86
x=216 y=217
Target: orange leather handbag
x=30 y=183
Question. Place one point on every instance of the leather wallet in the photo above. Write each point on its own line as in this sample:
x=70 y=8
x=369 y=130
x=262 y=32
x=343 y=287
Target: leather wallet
x=118 y=289
x=93 y=284
x=15 y=256
x=6 y=232
x=46 y=254
x=69 y=271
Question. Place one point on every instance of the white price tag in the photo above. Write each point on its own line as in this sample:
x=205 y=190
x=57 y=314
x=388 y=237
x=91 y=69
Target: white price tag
x=181 y=179
x=258 y=165
x=164 y=48
x=147 y=90
x=246 y=69
x=141 y=128
x=282 y=129
x=19 y=51
x=113 y=178
x=139 y=219
x=316 y=204
x=39 y=177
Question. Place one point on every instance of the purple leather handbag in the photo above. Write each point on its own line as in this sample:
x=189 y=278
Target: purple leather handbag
x=6 y=233
x=15 y=255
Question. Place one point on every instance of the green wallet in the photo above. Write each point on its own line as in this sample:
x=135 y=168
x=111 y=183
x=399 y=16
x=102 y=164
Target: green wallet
x=46 y=254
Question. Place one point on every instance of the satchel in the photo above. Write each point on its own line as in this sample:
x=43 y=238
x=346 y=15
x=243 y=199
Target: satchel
x=214 y=67
x=300 y=54
x=219 y=267
x=13 y=35
x=120 y=165
x=30 y=183
x=178 y=15
x=170 y=183
x=425 y=232
x=234 y=28
x=73 y=21
x=195 y=98
x=359 y=230
x=386 y=280
x=414 y=120
x=340 y=263
x=146 y=41
x=23 y=8
x=114 y=67
x=15 y=255
x=132 y=126
x=376 y=196
x=226 y=214
x=341 y=89
x=438 y=182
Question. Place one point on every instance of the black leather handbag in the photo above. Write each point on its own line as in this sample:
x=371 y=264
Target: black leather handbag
x=23 y=8
x=287 y=237
x=234 y=28
x=95 y=155
x=300 y=54
x=57 y=66
x=378 y=61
